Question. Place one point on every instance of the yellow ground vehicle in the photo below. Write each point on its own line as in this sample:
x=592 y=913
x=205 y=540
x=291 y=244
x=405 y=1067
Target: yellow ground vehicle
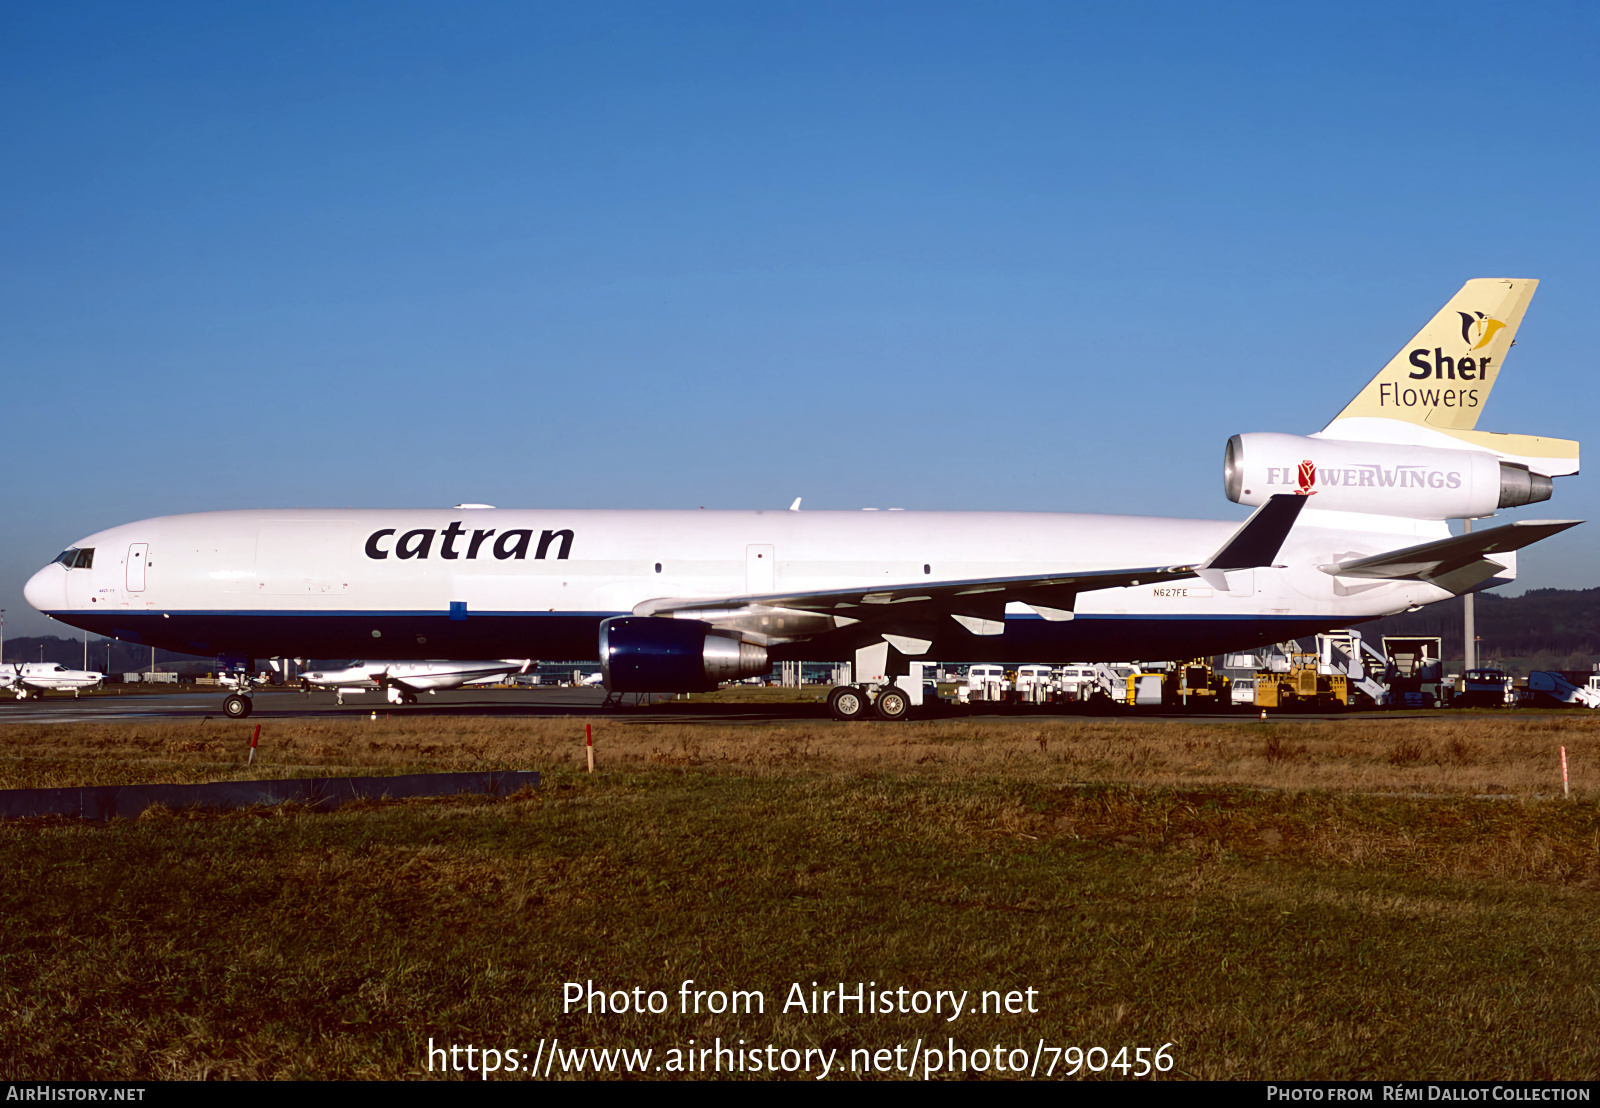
x=1194 y=684
x=1303 y=686
x=1191 y=683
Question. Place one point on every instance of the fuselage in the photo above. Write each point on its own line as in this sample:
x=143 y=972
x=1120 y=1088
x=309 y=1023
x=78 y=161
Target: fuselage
x=488 y=583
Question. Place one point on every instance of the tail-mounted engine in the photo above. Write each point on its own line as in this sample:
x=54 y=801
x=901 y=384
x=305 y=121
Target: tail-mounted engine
x=1418 y=482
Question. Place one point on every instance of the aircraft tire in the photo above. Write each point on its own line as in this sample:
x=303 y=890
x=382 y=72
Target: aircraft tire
x=847 y=703
x=893 y=704
x=236 y=706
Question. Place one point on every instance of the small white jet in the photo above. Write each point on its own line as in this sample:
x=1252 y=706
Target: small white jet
x=403 y=681
x=1353 y=523
x=26 y=679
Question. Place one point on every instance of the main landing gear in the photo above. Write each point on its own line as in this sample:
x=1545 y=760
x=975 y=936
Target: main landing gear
x=237 y=706
x=853 y=702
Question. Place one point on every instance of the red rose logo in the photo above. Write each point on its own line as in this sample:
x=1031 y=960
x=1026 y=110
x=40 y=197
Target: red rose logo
x=1308 y=477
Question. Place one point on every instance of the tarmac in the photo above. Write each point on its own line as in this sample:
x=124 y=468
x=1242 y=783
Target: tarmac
x=556 y=702
x=292 y=704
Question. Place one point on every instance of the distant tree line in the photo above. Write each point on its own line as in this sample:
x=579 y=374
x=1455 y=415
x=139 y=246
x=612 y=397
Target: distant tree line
x=105 y=655
x=1552 y=624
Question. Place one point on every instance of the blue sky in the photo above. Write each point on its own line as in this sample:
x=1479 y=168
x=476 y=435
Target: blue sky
x=1013 y=255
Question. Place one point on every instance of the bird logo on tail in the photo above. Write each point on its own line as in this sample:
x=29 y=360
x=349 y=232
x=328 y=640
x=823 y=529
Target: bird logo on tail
x=1478 y=329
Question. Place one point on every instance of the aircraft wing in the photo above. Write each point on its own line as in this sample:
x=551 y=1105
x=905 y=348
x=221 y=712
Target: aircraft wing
x=1457 y=563
x=979 y=603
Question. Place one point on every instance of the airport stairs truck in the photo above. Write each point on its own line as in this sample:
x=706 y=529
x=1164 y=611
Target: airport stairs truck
x=1549 y=684
x=1341 y=652
x=1341 y=673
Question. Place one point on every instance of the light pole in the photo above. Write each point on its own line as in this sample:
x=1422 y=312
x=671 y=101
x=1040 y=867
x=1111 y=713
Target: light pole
x=1469 y=620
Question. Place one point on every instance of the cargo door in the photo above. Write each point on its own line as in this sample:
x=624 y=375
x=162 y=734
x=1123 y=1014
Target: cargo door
x=138 y=555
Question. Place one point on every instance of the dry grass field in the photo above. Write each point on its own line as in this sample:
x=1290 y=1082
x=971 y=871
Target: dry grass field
x=1399 y=898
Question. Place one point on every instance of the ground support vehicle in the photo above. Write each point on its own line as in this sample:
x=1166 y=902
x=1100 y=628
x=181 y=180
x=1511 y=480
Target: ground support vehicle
x=986 y=683
x=1547 y=687
x=1242 y=692
x=1347 y=654
x=1088 y=683
x=1145 y=687
x=1194 y=685
x=1303 y=687
x=1415 y=671
x=1034 y=686
x=1485 y=688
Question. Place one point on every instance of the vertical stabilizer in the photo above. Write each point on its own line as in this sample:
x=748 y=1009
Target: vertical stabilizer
x=1442 y=377
x=1431 y=392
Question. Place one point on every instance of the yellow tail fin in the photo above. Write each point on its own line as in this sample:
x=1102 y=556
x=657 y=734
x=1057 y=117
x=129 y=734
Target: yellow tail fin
x=1442 y=377
x=1430 y=394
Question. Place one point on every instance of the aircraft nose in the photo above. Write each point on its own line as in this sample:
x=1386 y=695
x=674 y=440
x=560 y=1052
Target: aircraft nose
x=47 y=589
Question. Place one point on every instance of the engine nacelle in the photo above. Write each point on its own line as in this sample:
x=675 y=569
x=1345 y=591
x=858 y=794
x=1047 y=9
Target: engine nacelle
x=1418 y=482
x=656 y=654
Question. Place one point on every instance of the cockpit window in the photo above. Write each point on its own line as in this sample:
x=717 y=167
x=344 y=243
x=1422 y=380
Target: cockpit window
x=66 y=556
x=73 y=558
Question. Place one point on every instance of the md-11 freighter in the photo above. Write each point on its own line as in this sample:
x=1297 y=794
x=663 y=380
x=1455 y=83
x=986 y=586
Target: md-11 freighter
x=1352 y=524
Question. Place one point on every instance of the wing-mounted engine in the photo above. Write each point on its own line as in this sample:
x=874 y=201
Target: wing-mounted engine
x=651 y=654
x=1416 y=482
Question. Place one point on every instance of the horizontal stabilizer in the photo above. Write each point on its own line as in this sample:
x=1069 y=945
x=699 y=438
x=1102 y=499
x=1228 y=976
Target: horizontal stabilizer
x=1457 y=563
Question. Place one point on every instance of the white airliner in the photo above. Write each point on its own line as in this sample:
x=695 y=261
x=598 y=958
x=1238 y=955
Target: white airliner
x=681 y=600
x=402 y=681
x=26 y=679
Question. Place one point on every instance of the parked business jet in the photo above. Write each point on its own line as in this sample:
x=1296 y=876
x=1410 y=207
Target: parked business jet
x=403 y=681
x=26 y=679
x=1352 y=524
